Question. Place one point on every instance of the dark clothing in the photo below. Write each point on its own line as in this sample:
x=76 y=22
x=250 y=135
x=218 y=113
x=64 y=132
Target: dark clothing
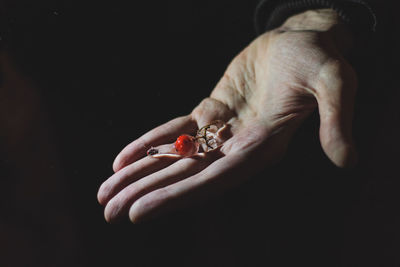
x=358 y=14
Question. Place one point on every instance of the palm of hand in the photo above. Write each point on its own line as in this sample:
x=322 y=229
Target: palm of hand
x=266 y=92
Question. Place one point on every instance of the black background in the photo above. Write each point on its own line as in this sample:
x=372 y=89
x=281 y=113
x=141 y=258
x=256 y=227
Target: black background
x=107 y=73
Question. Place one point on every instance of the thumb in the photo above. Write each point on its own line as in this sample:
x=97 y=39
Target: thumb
x=336 y=93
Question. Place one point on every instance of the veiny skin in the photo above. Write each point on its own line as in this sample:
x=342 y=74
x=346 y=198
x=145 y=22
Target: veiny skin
x=264 y=95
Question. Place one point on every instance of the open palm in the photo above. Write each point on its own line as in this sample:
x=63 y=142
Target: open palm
x=265 y=94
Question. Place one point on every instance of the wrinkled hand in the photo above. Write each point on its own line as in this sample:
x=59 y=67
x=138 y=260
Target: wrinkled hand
x=265 y=94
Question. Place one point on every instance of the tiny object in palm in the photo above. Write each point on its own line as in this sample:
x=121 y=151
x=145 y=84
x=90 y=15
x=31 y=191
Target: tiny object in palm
x=208 y=138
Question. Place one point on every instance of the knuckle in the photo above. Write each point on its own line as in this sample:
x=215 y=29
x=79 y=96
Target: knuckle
x=337 y=75
x=205 y=105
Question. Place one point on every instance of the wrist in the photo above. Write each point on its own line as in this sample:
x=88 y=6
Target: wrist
x=321 y=20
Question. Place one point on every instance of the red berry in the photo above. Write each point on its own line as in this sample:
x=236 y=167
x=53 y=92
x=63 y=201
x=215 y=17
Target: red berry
x=185 y=144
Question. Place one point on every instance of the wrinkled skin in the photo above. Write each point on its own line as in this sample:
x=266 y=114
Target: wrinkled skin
x=265 y=94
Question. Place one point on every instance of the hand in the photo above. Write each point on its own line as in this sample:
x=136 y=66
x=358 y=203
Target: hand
x=265 y=94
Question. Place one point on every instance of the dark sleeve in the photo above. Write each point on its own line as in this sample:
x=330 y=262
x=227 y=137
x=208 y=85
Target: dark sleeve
x=358 y=14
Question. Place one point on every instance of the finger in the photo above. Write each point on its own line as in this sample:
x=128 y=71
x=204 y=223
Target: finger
x=119 y=205
x=130 y=174
x=165 y=133
x=211 y=109
x=222 y=174
x=336 y=107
